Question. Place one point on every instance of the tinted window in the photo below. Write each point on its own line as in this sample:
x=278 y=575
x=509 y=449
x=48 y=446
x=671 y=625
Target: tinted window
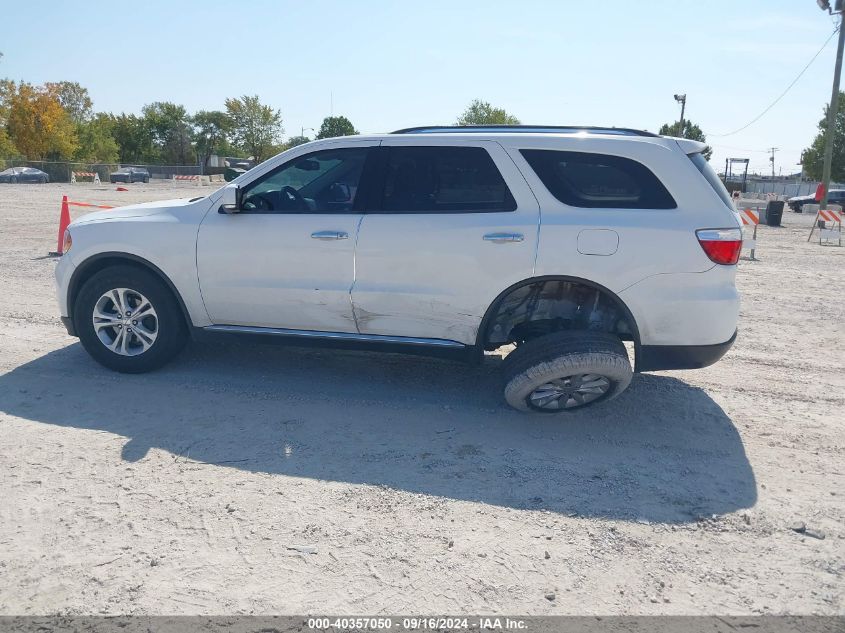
x=711 y=177
x=443 y=180
x=320 y=182
x=582 y=179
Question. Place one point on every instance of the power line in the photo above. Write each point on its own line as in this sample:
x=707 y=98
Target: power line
x=783 y=94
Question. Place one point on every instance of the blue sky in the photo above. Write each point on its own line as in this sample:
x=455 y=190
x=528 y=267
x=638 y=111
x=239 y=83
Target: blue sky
x=387 y=65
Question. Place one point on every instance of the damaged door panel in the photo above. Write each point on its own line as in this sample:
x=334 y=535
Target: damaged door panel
x=455 y=224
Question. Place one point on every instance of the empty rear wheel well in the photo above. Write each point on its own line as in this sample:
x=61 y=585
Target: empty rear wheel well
x=93 y=265
x=543 y=305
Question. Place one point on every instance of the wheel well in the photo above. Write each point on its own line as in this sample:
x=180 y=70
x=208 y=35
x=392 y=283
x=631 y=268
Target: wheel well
x=93 y=265
x=543 y=305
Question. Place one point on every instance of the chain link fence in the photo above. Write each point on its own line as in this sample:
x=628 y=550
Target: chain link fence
x=60 y=171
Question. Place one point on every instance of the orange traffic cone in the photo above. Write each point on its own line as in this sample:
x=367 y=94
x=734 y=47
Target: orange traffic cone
x=64 y=221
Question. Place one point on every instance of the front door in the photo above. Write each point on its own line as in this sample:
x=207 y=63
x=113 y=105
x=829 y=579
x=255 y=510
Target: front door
x=455 y=225
x=286 y=260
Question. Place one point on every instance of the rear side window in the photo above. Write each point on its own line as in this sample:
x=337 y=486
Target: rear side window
x=582 y=179
x=430 y=179
x=712 y=178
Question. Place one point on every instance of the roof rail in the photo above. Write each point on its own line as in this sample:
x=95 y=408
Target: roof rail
x=524 y=129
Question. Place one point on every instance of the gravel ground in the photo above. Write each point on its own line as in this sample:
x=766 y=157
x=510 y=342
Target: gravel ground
x=205 y=487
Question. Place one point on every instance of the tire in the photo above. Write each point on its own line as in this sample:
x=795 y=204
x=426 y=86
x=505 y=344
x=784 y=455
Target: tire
x=13 y=180
x=558 y=363
x=157 y=337
x=146 y=180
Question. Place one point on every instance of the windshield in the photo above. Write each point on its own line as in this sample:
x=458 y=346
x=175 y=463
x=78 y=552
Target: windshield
x=711 y=177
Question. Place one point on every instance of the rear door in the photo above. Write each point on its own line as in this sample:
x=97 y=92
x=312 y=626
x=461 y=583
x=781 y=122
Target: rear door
x=452 y=224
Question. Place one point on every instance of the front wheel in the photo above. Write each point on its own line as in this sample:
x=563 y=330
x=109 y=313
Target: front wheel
x=566 y=371
x=128 y=320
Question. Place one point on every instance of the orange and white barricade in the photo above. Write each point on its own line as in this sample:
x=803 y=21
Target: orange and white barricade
x=750 y=218
x=829 y=223
x=192 y=179
x=93 y=175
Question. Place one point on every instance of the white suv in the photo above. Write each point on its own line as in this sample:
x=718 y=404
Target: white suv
x=564 y=242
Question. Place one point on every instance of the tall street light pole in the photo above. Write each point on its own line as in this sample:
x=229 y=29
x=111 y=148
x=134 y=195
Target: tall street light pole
x=682 y=99
x=834 y=103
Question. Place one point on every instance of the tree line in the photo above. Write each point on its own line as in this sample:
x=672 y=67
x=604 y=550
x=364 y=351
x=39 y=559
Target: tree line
x=57 y=122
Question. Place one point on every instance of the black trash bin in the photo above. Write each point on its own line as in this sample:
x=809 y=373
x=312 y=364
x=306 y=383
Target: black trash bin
x=774 y=212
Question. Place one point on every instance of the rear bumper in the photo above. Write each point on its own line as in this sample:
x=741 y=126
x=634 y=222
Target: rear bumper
x=658 y=357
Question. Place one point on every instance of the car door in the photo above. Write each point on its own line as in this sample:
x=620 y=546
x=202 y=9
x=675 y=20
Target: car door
x=454 y=225
x=286 y=260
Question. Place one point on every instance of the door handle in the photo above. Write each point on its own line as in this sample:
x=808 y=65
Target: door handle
x=503 y=238
x=330 y=235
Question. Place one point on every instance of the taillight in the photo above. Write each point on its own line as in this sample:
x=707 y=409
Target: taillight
x=722 y=246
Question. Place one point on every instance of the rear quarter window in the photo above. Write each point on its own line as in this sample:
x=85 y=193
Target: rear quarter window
x=712 y=178
x=584 y=179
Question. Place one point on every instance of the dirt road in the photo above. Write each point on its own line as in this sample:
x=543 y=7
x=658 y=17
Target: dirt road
x=203 y=488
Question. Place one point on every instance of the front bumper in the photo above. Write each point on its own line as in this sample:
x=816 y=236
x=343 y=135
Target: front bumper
x=659 y=357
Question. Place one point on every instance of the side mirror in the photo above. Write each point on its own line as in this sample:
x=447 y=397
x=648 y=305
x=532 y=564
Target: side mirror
x=231 y=200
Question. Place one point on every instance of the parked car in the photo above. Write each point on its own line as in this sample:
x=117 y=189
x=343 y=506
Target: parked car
x=130 y=175
x=24 y=174
x=565 y=242
x=836 y=196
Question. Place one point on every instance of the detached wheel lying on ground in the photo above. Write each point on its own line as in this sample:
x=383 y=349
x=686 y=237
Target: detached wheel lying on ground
x=566 y=371
x=129 y=320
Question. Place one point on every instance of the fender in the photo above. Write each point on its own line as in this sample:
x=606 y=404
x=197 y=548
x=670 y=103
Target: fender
x=482 y=330
x=83 y=268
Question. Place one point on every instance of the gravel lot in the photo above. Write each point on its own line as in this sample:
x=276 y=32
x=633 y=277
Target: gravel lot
x=188 y=491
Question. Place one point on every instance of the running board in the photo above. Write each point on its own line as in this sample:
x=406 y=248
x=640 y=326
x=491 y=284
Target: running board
x=335 y=336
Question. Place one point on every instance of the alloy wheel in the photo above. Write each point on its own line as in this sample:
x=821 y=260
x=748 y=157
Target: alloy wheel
x=125 y=321
x=569 y=392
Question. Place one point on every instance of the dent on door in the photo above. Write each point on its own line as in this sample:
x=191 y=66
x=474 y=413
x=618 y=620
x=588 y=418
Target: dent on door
x=598 y=242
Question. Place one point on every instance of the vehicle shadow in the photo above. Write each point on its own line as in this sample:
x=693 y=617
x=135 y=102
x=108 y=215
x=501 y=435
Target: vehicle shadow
x=664 y=451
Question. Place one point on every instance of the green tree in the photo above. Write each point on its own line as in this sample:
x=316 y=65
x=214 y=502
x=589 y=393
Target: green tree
x=482 y=113
x=8 y=88
x=211 y=131
x=97 y=143
x=812 y=158
x=691 y=131
x=7 y=147
x=336 y=126
x=168 y=128
x=256 y=128
x=74 y=99
x=39 y=126
x=294 y=141
x=134 y=142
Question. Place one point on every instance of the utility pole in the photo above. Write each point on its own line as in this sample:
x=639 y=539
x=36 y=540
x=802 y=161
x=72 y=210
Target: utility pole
x=834 y=101
x=772 y=159
x=682 y=99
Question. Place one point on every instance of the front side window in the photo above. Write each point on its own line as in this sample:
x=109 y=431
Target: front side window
x=429 y=179
x=582 y=179
x=320 y=182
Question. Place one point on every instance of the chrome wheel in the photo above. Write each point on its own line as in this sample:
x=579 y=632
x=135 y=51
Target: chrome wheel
x=569 y=392
x=125 y=321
